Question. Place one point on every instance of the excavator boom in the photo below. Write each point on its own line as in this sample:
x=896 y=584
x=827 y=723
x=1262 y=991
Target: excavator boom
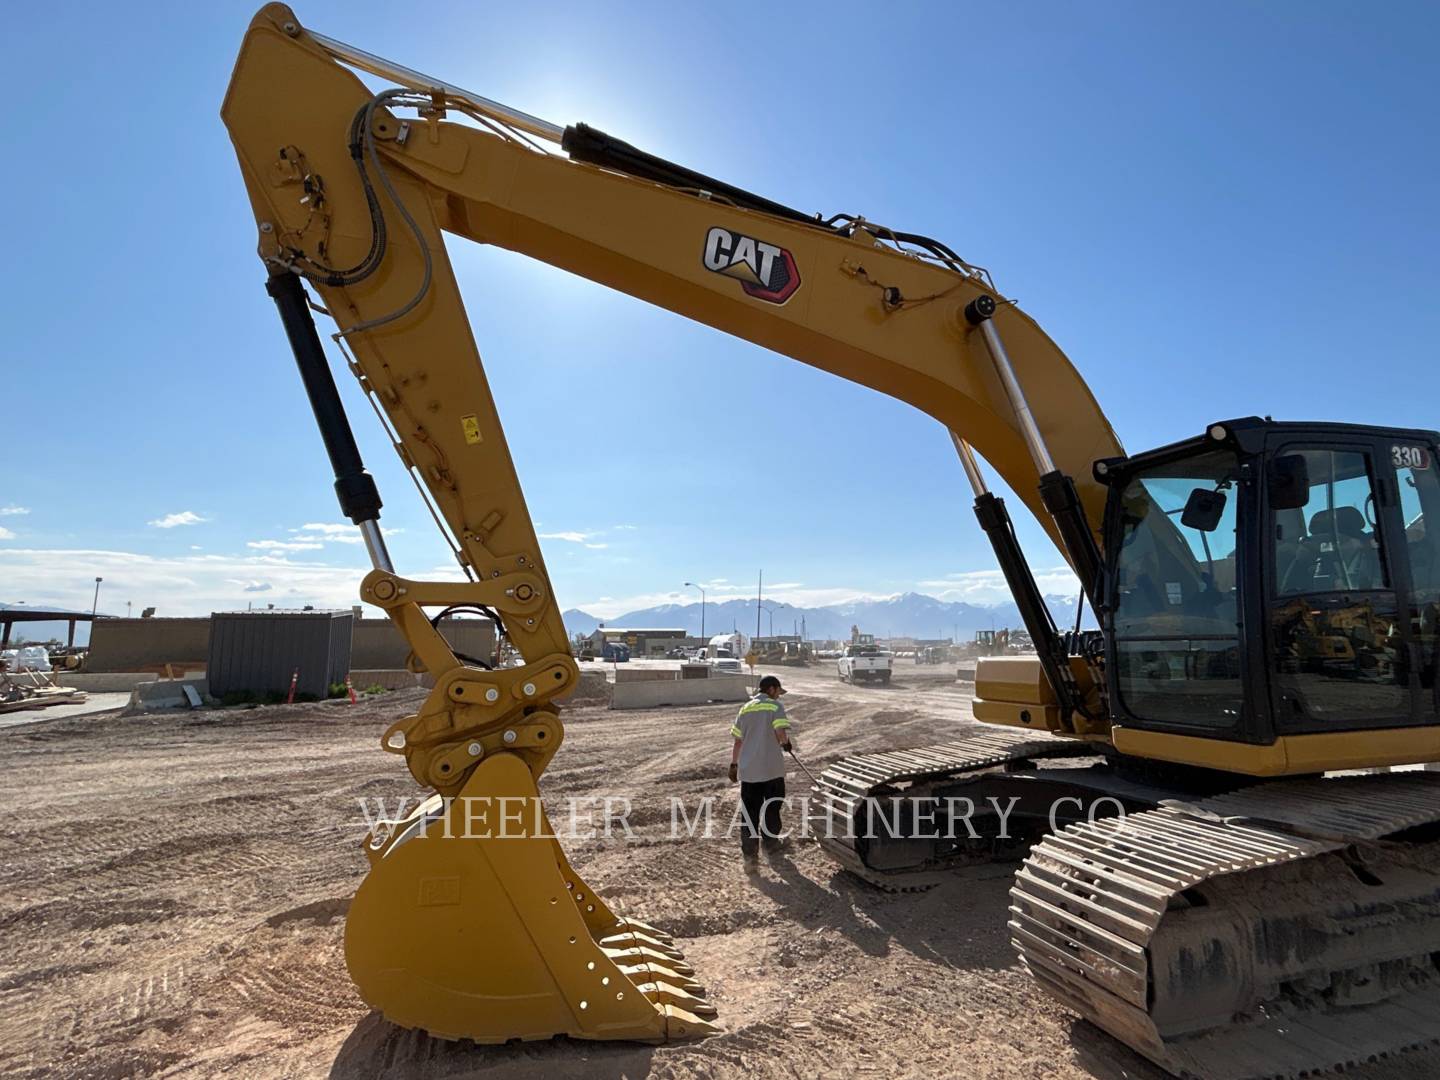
x=351 y=193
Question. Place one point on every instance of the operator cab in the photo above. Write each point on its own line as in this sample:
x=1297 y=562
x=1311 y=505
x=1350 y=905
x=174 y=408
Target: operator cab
x=1273 y=579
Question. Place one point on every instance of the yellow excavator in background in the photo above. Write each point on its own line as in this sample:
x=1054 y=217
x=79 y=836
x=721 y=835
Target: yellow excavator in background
x=1267 y=597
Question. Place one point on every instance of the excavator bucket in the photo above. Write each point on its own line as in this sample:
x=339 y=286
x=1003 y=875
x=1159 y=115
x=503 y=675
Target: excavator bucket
x=472 y=925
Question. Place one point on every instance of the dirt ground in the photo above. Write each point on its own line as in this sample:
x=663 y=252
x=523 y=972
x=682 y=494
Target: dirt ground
x=173 y=890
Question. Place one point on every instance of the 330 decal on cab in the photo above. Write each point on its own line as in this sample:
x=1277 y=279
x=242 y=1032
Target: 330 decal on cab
x=1409 y=457
x=765 y=271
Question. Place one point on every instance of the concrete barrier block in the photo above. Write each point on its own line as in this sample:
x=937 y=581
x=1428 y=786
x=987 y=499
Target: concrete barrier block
x=168 y=694
x=672 y=692
x=114 y=682
x=631 y=674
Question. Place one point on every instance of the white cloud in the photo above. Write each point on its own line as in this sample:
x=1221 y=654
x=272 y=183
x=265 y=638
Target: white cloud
x=6 y=534
x=587 y=539
x=177 y=585
x=609 y=607
x=988 y=586
x=332 y=533
x=184 y=517
x=12 y=511
x=283 y=545
x=979 y=587
x=625 y=528
x=196 y=547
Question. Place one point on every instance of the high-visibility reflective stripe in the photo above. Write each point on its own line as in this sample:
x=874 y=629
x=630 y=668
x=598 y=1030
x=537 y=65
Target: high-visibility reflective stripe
x=781 y=723
x=760 y=706
x=737 y=733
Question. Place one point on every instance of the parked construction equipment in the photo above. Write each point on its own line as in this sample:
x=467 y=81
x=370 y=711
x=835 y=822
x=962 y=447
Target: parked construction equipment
x=1267 y=595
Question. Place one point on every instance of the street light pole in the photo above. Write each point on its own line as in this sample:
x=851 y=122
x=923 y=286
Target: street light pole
x=94 y=607
x=692 y=585
x=769 y=614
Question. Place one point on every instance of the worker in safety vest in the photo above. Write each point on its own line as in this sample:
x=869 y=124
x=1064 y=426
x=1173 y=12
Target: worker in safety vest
x=762 y=734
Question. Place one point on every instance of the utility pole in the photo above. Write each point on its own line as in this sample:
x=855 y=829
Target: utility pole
x=96 y=605
x=692 y=585
x=759 y=592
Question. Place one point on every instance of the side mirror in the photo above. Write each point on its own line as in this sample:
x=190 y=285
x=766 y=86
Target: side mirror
x=1203 y=510
x=1289 y=482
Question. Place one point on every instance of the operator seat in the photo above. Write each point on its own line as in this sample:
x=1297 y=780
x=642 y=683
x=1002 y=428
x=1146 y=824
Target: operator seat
x=1289 y=547
x=1348 y=557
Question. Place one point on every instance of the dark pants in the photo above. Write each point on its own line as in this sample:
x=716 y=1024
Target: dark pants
x=760 y=800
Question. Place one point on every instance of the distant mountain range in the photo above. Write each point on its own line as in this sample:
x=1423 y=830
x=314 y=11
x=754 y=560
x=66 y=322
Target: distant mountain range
x=907 y=615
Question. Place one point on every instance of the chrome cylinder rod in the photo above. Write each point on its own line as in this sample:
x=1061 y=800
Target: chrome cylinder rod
x=972 y=467
x=979 y=314
x=415 y=80
x=375 y=545
x=1028 y=428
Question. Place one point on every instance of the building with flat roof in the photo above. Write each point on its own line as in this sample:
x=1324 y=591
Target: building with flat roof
x=641 y=641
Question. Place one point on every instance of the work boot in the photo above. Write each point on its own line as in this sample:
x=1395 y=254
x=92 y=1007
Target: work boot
x=751 y=860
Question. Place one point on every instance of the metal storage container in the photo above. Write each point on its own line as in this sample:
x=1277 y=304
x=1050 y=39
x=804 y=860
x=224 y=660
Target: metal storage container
x=259 y=651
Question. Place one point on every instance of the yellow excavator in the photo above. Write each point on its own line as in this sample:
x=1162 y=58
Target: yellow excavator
x=1191 y=877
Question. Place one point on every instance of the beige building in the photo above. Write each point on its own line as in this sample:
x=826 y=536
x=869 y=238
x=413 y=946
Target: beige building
x=149 y=644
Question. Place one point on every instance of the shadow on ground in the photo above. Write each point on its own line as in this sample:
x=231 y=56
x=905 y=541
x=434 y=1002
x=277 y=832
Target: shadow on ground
x=960 y=924
x=1106 y=1058
x=377 y=1048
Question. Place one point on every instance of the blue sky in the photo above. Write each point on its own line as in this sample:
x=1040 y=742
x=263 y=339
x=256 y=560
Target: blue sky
x=1216 y=210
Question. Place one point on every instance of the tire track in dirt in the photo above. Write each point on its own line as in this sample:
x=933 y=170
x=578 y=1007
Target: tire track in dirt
x=173 y=888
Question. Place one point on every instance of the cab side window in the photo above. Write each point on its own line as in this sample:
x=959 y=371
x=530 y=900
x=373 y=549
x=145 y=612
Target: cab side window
x=1335 y=627
x=1418 y=479
x=1331 y=543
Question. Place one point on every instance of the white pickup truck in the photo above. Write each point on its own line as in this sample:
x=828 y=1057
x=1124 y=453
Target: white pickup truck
x=864 y=663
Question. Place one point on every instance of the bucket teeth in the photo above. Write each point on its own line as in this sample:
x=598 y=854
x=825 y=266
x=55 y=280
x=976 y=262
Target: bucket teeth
x=646 y=973
x=642 y=955
x=624 y=926
x=634 y=938
x=680 y=1024
x=664 y=994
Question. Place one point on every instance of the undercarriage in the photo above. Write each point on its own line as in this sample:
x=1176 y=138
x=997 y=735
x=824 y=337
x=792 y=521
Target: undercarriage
x=1274 y=929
